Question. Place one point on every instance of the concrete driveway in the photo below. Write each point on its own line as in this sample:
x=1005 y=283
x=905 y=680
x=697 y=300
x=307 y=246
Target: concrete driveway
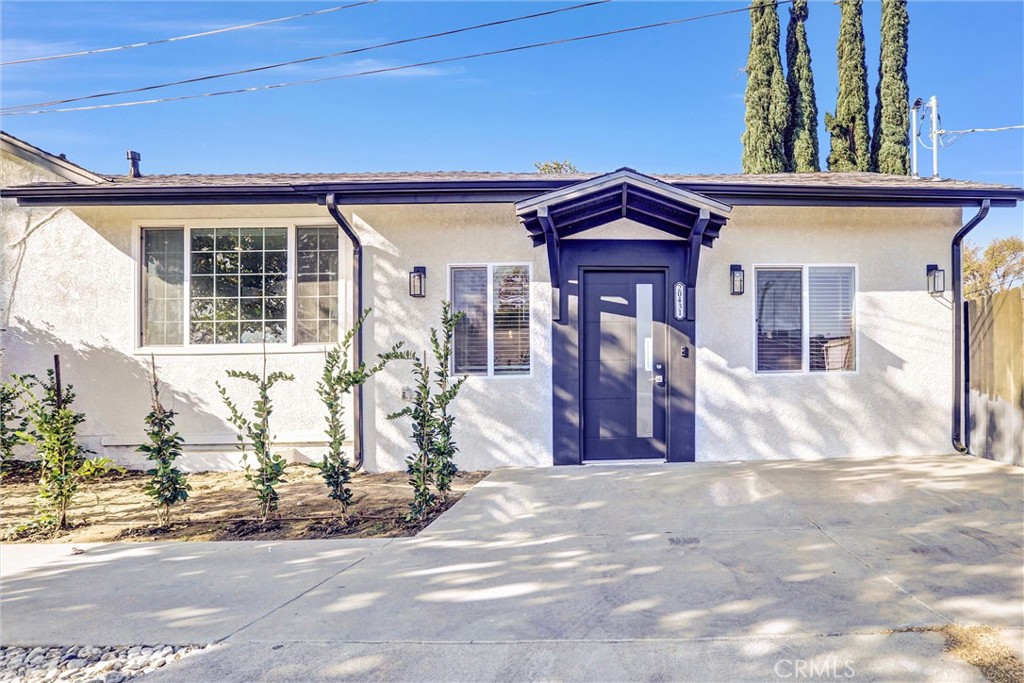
x=707 y=571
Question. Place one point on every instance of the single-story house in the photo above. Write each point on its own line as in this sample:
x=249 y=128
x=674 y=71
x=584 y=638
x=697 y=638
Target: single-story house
x=607 y=317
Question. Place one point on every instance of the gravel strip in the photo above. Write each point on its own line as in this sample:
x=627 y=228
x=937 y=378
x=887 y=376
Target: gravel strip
x=114 y=664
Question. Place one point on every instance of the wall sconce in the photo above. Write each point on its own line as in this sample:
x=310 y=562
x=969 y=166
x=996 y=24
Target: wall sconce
x=418 y=282
x=936 y=279
x=736 y=279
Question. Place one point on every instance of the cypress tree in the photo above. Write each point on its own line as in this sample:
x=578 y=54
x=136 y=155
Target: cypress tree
x=851 y=142
x=767 y=98
x=802 y=131
x=890 y=142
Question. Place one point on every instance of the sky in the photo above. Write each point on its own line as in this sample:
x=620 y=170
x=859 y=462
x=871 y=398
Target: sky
x=665 y=100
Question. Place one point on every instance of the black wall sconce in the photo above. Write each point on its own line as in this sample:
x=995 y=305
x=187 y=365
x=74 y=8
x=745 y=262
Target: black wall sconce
x=936 y=279
x=418 y=282
x=736 y=279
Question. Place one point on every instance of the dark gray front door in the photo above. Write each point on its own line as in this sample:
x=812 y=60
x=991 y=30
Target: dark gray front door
x=625 y=380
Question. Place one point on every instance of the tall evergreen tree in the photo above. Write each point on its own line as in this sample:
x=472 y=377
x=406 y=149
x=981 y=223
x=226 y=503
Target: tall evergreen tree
x=802 y=131
x=851 y=142
x=890 y=141
x=767 y=98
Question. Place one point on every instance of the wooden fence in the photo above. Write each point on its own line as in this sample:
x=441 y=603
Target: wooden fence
x=995 y=329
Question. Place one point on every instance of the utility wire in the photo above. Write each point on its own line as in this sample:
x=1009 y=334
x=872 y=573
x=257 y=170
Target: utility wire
x=193 y=35
x=304 y=60
x=978 y=130
x=391 y=69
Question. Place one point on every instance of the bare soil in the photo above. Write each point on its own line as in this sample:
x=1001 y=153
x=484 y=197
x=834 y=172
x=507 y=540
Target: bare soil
x=220 y=507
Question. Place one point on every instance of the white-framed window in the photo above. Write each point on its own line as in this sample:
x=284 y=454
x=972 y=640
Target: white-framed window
x=805 y=318
x=227 y=286
x=493 y=338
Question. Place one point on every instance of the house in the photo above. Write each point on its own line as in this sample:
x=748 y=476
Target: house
x=610 y=317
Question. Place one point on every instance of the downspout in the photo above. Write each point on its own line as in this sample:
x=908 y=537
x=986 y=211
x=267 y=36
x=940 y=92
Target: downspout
x=961 y=384
x=357 y=312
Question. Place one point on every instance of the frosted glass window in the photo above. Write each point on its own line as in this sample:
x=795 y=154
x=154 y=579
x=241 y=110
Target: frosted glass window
x=316 y=317
x=163 y=277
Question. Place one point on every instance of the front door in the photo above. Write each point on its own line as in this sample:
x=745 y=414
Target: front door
x=625 y=381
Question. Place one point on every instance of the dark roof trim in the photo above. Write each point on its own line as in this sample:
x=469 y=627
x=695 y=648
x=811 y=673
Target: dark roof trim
x=494 y=191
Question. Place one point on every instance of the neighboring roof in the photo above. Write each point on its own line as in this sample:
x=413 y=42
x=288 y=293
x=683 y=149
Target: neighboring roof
x=461 y=186
x=54 y=163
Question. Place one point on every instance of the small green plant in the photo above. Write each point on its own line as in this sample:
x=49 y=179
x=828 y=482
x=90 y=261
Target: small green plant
x=255 y=431
x=12 y=424
x=51 y=430
x=424 y=428
x=167 y=484
x=444 y=448
x=431 y=467
x=336 y=381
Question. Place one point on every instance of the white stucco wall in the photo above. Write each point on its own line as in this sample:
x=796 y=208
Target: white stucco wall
x=500 y=420
x=897 y=402
x=68 y=287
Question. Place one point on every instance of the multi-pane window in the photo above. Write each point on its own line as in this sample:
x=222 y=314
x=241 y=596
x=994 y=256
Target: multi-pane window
x=316 y=317
x=493 y=337
x=230 y=285
x=819 y=299
x=239 y=285
x=163 y=276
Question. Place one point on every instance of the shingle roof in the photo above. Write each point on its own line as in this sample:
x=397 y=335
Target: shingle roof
x=851 y=180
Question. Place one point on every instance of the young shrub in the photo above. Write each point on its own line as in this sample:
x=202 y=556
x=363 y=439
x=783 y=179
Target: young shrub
x=432 y=467
x=444 y=448
x=419 y=465
x=269 y=470
x=51 y=430
x=336 y=381
x=167 y=484
x=12 y=424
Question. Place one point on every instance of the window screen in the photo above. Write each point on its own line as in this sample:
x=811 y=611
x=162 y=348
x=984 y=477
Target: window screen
x=469 y=296
x=779 y=320
x=163 y=257
x=493 y=337
x=511 y=320
x=830 y=293
x=239 y=285
x=316 y=318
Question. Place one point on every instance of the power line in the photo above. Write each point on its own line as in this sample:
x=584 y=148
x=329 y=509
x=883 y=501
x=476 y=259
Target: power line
x=370 y=72
x=979 y=130
x=304 y=60
x=193 y=35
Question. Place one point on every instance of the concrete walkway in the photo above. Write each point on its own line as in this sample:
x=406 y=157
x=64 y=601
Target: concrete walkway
x=707 y=571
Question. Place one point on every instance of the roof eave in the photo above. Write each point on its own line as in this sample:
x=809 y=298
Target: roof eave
x=494 y=191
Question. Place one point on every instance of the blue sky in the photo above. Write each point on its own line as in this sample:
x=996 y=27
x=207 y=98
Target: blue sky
x=663 y=100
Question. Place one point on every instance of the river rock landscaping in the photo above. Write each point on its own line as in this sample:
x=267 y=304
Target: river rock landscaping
x=86 y=663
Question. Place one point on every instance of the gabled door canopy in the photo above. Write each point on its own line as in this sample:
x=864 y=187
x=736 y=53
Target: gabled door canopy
x=624 y=193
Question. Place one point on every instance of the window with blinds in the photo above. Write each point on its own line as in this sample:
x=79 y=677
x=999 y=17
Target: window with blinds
x=779 y=320
x=493 y=337
x=818 y=297
x=830 y=294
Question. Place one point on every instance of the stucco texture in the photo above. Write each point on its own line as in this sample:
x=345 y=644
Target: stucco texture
x=69 y=287
x=896 y=402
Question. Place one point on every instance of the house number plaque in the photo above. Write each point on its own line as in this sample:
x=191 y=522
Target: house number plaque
x=680 y=298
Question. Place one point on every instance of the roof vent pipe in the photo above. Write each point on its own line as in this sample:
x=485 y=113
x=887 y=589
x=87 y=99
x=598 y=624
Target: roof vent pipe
x=133 y=164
